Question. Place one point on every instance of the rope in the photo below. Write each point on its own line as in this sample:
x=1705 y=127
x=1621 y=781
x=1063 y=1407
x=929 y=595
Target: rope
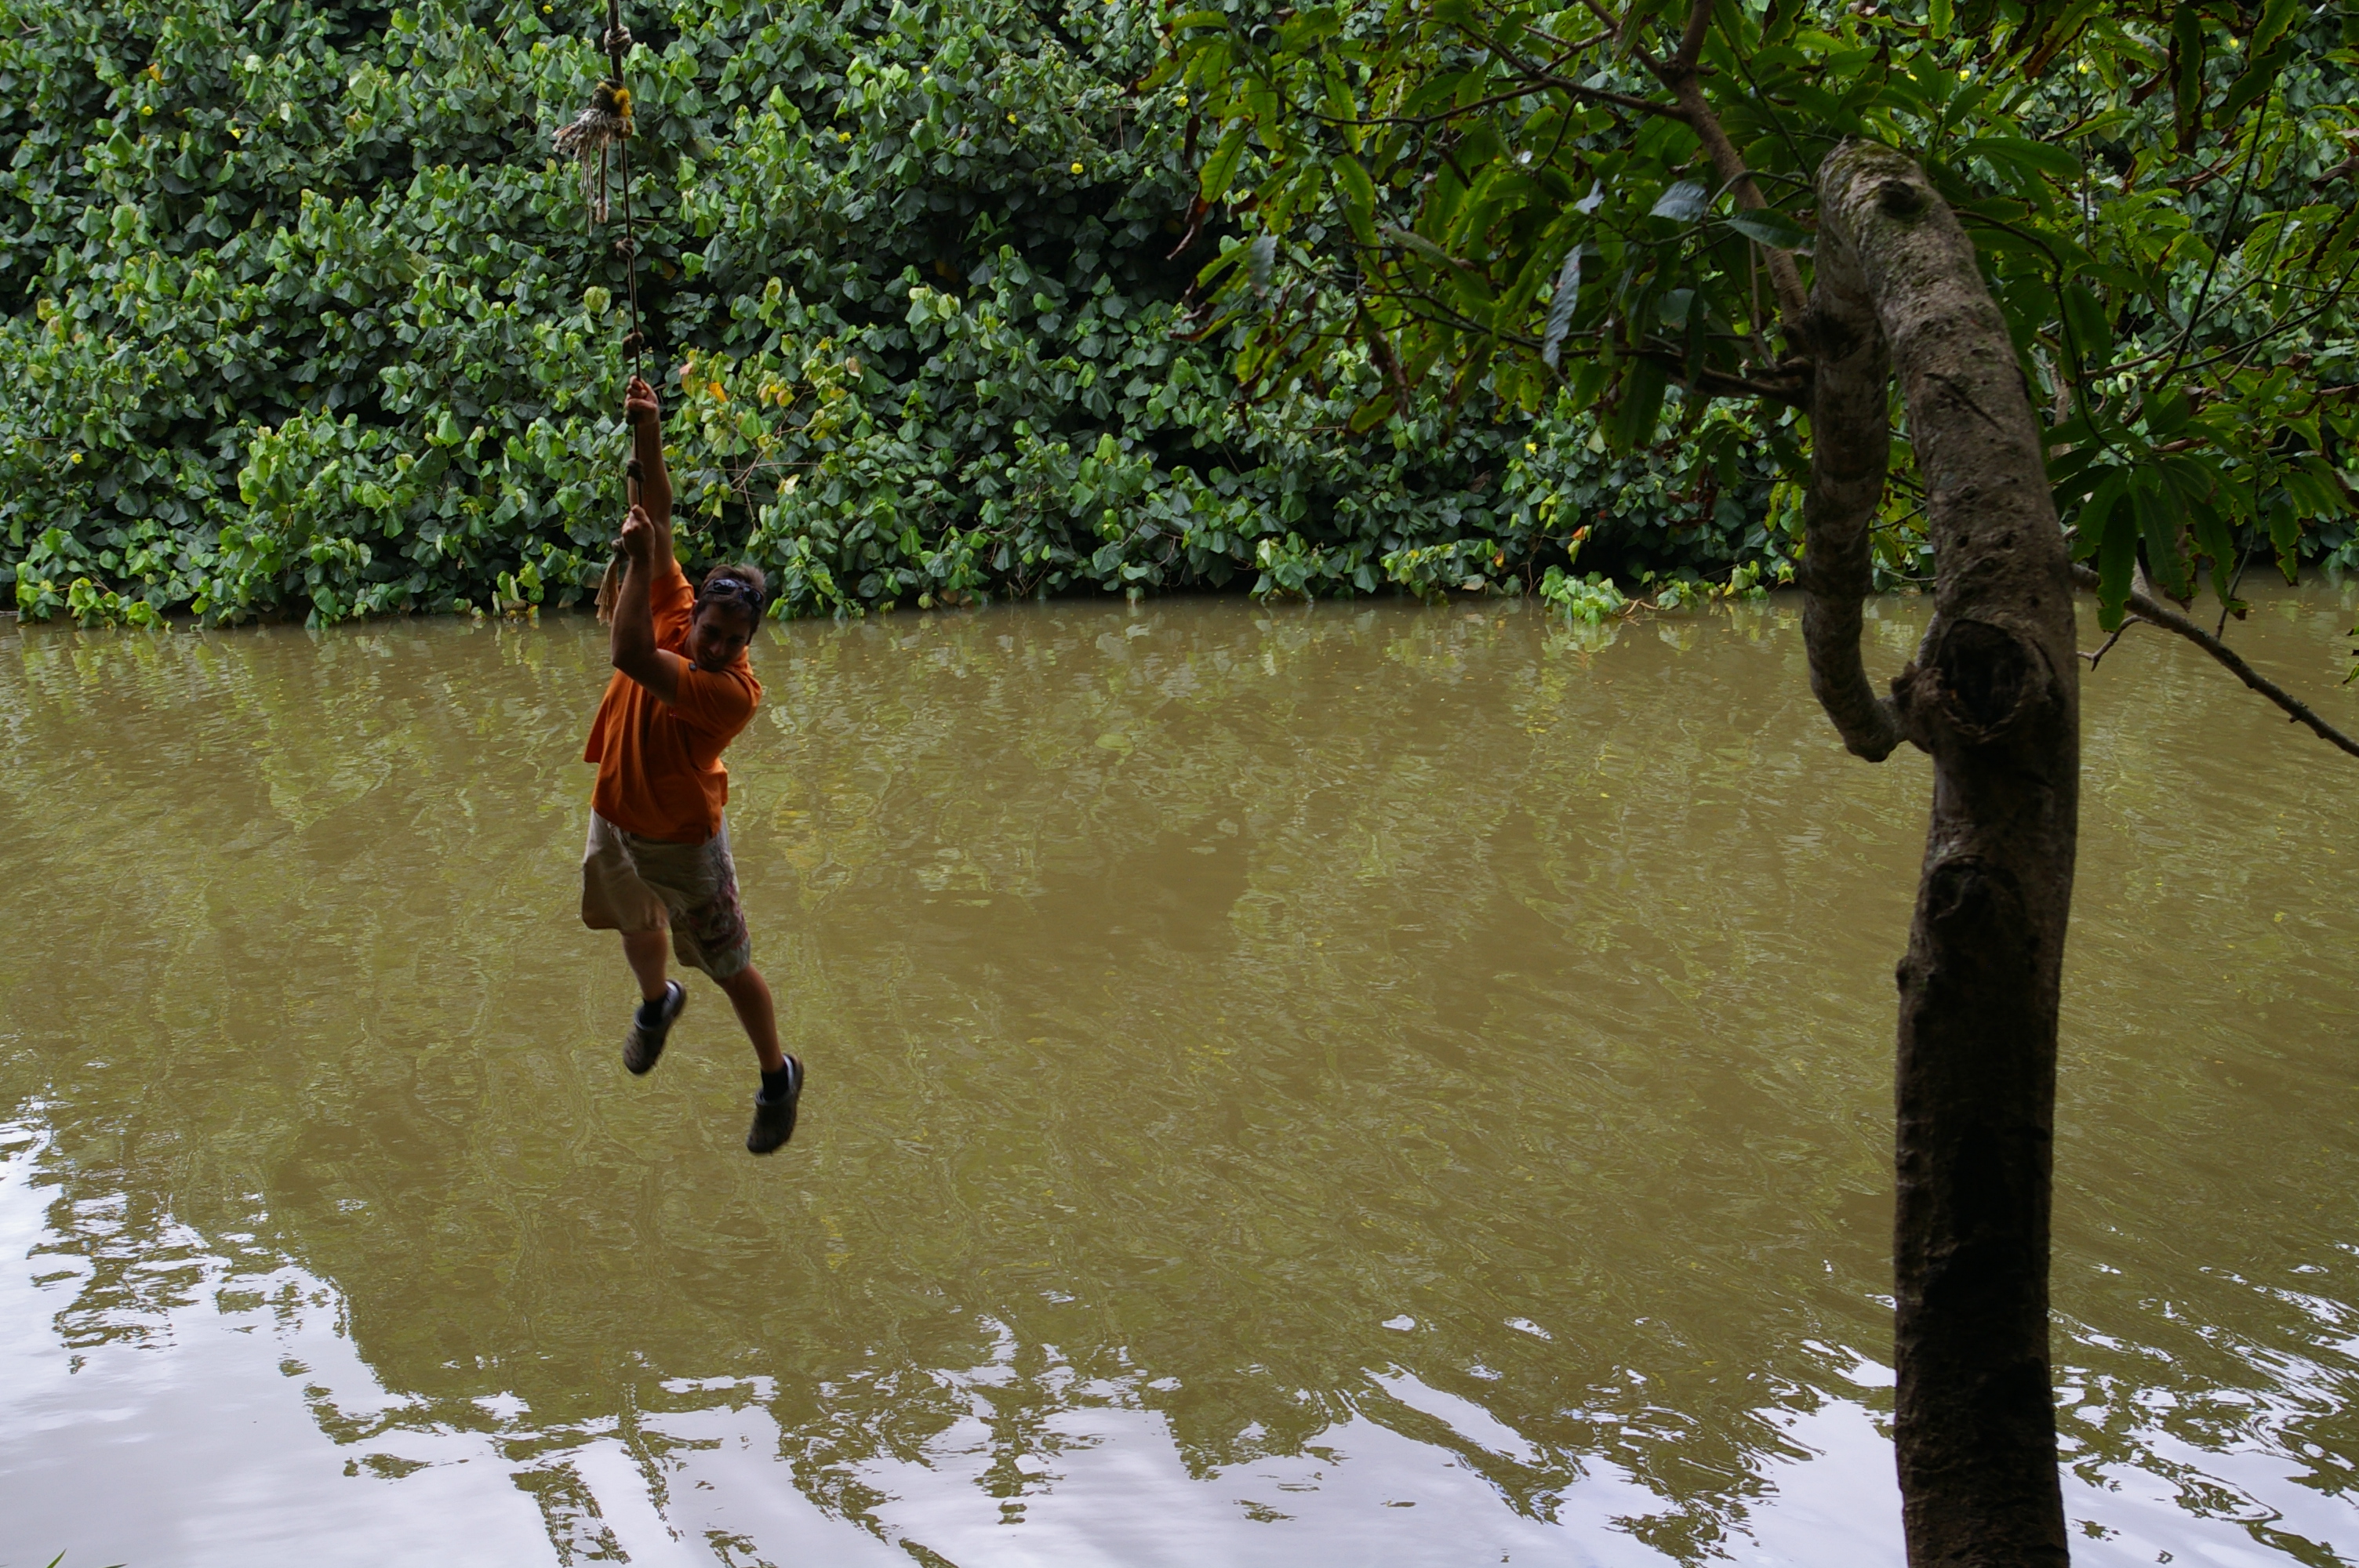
x=630 y=248
x=617 y=43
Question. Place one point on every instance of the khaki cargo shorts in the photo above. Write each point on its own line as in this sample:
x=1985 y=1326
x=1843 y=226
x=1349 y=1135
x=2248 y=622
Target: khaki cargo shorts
x=630 y=883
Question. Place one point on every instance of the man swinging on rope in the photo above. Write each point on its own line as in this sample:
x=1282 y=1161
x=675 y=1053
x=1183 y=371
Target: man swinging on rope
x=658 y=853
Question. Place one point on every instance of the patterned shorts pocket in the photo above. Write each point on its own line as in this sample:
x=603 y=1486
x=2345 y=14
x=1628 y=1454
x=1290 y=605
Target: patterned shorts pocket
x=718 y=924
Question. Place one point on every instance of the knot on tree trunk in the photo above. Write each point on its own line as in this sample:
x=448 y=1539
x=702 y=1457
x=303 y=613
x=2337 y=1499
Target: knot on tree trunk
x=1900 y=198
x=1976 y=682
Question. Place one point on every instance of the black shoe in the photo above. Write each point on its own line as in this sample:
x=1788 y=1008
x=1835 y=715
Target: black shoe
x=773 y=1119
x=645 y=1043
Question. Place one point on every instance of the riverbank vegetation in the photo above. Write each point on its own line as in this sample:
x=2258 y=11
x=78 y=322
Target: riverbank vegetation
x=304 y=318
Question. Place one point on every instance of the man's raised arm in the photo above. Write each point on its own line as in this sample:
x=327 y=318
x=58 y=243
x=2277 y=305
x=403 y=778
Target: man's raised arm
x=645 y=416
x=631 y=643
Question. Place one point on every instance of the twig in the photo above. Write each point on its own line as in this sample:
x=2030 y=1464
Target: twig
x=2108 y=648
x=2228 y=600
x=2220 y=246
x=2169 y=620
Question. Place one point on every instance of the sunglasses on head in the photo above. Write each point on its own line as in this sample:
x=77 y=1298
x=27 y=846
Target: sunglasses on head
x=727 y=588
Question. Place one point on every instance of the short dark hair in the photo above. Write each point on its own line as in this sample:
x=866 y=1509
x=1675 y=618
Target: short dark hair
x=737 y=585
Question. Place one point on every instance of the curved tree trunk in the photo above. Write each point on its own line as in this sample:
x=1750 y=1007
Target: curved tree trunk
x=1994 y=696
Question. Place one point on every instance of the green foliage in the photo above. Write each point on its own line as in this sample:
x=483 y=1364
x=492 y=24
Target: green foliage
x=1514 y=200
x=304 y=318
x=1590 y=599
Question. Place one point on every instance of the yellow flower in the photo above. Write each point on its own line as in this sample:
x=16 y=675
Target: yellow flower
x=75 y=459
x=1182 y=101
x=1077 y=165
x=1532 y=447
x=844 y=136
x=1011 y=119
x=1965 y=75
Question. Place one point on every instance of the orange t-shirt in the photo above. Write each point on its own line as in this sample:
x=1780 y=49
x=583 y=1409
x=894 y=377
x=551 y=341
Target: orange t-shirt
x=660 y=772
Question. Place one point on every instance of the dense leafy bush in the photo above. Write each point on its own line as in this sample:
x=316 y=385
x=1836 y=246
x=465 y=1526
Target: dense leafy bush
x=302 y=316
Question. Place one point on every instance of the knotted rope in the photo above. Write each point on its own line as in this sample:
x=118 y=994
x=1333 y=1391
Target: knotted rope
x=606 y=125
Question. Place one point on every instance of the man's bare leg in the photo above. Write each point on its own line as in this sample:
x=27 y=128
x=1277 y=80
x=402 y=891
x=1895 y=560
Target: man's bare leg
x=750 y=995
x=647 y=950
x=782 y=1076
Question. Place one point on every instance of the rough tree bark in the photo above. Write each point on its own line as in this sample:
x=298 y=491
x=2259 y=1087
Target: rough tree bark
x=1993 y=698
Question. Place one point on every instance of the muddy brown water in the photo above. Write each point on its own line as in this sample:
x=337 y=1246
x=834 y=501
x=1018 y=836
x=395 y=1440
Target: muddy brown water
x=1345 y=1085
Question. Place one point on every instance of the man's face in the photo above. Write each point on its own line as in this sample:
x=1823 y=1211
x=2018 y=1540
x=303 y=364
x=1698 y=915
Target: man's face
x=717 y=636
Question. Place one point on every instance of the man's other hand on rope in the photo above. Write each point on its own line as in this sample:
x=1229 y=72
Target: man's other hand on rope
x=644 y=414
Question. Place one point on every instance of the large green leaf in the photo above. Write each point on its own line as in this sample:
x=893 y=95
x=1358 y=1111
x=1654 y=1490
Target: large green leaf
x=1567 y=295
x=2116 y=562
x=2158 y=522
x=1683 y=203
x=2092 y=333
x=1767 y=226
x=1221 y=168
x=2024 y=154
x=1359 y=195
x=1643 y=385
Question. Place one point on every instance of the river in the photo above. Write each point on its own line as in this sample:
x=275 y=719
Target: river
x=1330 y=1085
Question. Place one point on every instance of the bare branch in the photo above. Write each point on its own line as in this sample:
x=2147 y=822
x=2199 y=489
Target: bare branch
x=1547 y=76
x=1534 y=84
x=1566 y=48
x=1612 y=23
x=2098 y=658
x=1723 y=383
x=2220 y=244
x=1691 y=42
x=2170 y=619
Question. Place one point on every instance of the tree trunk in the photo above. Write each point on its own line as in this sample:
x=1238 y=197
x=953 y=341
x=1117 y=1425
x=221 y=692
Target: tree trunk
x=1994 y=696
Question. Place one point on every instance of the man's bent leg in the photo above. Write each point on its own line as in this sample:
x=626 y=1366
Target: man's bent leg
x=750 y=995
x=647 y=950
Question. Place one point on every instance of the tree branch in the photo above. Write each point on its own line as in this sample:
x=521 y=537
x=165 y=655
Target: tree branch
x=1723 y=384
x=2169 y=620
x=1680 y=74
x=1691 y=41
x=1536 y=81
x=1851 y=444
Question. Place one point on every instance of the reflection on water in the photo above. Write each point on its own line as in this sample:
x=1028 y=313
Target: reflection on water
x=1345 y=1085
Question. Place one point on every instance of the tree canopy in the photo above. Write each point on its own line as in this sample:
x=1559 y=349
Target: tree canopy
x=1586 y=203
